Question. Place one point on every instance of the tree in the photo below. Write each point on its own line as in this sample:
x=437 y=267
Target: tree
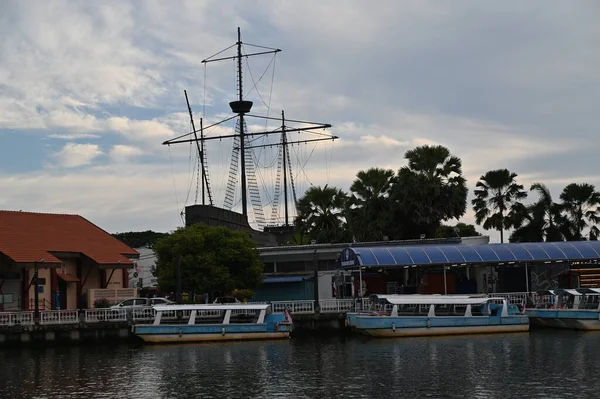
x=496 y=202
x=368 y=207
x=581 y=207
x=321 y=213
x=460 y=230
x=138 y=239
x=212 y=259
x=431 y=189
x=540 y=221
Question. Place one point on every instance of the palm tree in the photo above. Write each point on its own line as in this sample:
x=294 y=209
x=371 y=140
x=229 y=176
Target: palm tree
x=581 y=207
x=367 y=208
x=540 y=221
x=496 y=202
x=321 y=213
x=428 y=190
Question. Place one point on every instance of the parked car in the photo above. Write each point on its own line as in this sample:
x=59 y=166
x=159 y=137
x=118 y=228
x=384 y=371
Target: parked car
x=139 y=303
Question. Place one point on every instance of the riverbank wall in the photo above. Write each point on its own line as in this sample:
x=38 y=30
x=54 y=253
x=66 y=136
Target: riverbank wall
x=122 y=331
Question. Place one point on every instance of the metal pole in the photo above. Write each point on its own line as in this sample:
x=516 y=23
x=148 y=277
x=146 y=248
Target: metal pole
x=360 y=293
x=242 y=136
x=178 y=293
x=202 y=162
x=526 y=278
x=445 y=287
x=316 y=268
x=284 y=144
x=36 y=294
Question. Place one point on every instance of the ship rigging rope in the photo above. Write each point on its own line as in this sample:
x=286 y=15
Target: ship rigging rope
x=255 y=87
x=191 y=173
x=303 y=165
x=175 y=186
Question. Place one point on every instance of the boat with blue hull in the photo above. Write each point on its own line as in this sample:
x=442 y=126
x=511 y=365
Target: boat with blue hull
x=203 y=323
x=439 y=315
x=577 y=309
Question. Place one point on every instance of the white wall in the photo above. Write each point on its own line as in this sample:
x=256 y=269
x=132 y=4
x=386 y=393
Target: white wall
x=143 y=269
x=476 y=240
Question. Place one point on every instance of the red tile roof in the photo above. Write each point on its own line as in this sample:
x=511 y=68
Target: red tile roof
x=27 y=237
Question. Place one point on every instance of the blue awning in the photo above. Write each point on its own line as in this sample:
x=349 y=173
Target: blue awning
x=285 y=279
x=499 y=254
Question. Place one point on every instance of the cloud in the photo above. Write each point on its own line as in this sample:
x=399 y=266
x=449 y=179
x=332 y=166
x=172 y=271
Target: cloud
x=121 y=153
x=73 y=136
x=74 y=154
x=504 y=86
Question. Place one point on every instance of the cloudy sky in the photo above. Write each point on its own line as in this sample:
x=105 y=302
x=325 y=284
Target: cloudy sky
x=90 y=90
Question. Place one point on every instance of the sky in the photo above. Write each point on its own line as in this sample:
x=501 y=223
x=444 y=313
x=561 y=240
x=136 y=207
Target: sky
x=89 y=91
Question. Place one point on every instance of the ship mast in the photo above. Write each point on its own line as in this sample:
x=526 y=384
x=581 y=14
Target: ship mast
x=241 y=108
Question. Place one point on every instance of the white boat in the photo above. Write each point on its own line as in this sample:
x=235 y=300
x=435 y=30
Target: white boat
x=198 y=323
x=577 y=309
x=412 y=315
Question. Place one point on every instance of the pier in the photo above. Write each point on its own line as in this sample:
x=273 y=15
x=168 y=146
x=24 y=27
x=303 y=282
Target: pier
x=116 y=324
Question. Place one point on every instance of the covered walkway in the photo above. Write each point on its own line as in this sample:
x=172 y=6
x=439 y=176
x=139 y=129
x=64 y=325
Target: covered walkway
x=491 y=254
x=481 y=268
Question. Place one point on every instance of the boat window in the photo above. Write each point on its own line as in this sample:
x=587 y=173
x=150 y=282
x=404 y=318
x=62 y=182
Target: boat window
x=477 y=310
x=450 y=310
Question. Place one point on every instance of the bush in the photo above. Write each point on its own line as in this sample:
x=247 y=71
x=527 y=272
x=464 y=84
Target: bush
x=243 y=295
x=101 y=303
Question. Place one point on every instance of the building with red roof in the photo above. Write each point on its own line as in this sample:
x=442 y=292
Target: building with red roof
x=71 y=254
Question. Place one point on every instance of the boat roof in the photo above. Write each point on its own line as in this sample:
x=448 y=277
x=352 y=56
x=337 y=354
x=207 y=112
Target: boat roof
x=433 y=299
x=233 y=306
x=589 y=290
x=559 y=291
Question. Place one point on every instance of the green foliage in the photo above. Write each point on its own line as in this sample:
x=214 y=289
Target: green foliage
x=540 y=221
x=243 y=294
x=139 y=239
x=368 y=207
x=459 y=230
x=581 y=207
x=101 y=303
x=496 y=202
x=431 y=189
x=321 y=214
x=212 y=259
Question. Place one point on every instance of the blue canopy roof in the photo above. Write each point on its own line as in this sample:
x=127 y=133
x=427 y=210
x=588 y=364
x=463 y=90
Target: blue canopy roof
x=389 y=256
x=285 y=279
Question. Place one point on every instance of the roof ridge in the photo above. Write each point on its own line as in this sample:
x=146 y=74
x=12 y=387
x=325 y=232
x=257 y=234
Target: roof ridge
x=38 y=213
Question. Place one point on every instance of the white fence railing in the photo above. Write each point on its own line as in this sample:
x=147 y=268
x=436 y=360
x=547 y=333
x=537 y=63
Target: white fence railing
x=16 y=319
x=105 y=315
x=59 y=317
x=294 y=307
x=144 y=315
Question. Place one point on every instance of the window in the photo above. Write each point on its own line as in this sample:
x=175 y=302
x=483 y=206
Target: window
x=6 y=298
x=140 y=302
x=157 y=302
x=128 y=302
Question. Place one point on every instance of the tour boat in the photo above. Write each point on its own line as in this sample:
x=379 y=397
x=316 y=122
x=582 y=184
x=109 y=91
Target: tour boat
x=420 y=315
x=351 y=316
x=198 y=323
x=577 y=309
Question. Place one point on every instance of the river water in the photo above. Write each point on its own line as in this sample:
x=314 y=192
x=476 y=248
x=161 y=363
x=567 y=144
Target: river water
x=539 y=364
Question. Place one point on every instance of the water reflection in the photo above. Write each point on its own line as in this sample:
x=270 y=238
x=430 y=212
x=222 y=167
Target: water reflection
x=539 y=364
